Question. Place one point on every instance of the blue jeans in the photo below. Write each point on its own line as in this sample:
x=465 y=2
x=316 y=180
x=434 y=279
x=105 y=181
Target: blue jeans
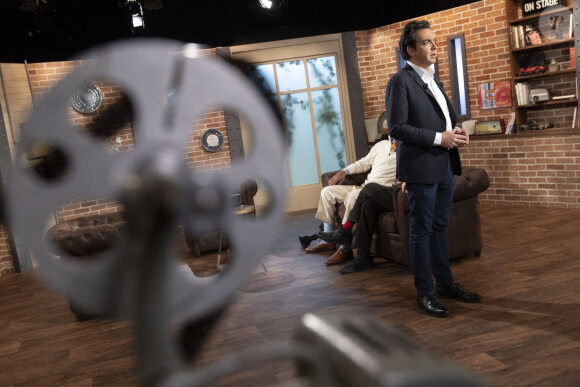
x=430 y=208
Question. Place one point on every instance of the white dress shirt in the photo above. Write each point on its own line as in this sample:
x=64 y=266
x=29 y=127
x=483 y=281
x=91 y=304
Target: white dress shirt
x=429 y=79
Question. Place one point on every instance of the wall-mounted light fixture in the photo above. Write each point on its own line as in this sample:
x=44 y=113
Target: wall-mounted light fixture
x=136 y=14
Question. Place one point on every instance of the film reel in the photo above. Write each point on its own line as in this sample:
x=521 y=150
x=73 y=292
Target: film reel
x=148 y=70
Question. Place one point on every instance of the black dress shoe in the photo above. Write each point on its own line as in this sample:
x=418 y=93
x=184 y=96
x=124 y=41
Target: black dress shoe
x=341 y=236
x=363 y=261
x=431 y=305
x=457 y=292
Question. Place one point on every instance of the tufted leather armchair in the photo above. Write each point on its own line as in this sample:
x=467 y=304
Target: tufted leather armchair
x=391 y=239
x=210 y=241
x=83 y=238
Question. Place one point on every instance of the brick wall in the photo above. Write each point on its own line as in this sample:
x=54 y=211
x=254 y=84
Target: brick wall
x=115 y=113
x=5 y=257
x=485 y=27
x=542 y=171
x=524 y=170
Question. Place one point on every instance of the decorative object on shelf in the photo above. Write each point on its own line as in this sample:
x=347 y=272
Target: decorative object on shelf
x=568 y=96
x=535 y=125
x=494 y=95
x=553 y=66
x=543 y=125
x=87 y=99
x=212 y=140
x=539 y=95
x=532 y=7
x=469 y=126
x=552 y=23
x=528 y=126
x=556 y=25
x=489 y=127
x=533 y=62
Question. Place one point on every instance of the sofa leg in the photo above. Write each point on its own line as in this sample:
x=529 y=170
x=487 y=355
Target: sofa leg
x=477 y=253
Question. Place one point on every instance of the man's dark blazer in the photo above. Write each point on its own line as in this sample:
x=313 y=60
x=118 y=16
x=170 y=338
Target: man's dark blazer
x=413 y=117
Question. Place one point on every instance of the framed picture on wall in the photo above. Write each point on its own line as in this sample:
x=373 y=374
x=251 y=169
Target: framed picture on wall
x=494 y=94
x=402 y=62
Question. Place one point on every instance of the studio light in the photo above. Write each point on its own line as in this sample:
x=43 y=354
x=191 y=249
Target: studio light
x=273 y=5
x=266 y=4
x=137 y=20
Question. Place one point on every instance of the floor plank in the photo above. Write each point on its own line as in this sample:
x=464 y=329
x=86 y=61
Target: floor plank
x=524 y=332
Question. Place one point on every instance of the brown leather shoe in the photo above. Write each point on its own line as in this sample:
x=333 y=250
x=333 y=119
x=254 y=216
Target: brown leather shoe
x=339 y=257
x=321 y=247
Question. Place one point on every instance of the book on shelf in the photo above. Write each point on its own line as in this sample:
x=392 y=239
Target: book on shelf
x=511 y=126
x=521 y=36
x=523 y=93
x=531 y=35
x=571 y=27
x=524 y=35
x=515 y=37
x=572 y=57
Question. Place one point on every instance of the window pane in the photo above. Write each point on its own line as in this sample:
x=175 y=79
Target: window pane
x=301 y=153
x=291 y=75
x=329 y=133
x=264 y=77
x=322 y=71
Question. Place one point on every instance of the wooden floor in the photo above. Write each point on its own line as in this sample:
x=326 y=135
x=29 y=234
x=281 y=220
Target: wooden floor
x=525 y=332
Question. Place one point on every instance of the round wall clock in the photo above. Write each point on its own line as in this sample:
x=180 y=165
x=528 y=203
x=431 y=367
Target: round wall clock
x=88 y=99
x=212 y=140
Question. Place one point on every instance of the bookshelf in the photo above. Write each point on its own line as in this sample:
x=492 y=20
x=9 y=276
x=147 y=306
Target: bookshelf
x=560 y=82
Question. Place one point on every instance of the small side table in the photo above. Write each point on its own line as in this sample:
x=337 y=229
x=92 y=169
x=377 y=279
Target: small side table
x=243 y=209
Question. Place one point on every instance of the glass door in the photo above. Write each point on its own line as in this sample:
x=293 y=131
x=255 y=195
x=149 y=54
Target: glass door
x=307 y=91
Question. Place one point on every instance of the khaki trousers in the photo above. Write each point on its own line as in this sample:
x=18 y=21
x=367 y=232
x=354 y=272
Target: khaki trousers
x=332 y=195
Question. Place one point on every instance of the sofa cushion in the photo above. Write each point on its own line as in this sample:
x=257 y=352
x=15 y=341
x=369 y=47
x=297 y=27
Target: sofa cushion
x=85 y=236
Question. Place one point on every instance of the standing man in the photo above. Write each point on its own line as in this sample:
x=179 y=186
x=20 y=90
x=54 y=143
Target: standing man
x=422 y=121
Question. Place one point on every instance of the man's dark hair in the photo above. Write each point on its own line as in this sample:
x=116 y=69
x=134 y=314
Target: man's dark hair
x=409 y=36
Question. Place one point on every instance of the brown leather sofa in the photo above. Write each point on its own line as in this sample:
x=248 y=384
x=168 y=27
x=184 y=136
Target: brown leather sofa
x=391 y=239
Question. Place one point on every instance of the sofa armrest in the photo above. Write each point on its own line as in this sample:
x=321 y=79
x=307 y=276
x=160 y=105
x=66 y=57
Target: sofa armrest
x=248 y=191
x=472 y=182
x=354 y=179
x=401 y=210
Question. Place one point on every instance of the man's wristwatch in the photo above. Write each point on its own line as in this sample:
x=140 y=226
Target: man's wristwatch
x=346 y=170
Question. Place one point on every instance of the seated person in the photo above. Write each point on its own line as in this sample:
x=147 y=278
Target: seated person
x=381 y=161
x=372 y=200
